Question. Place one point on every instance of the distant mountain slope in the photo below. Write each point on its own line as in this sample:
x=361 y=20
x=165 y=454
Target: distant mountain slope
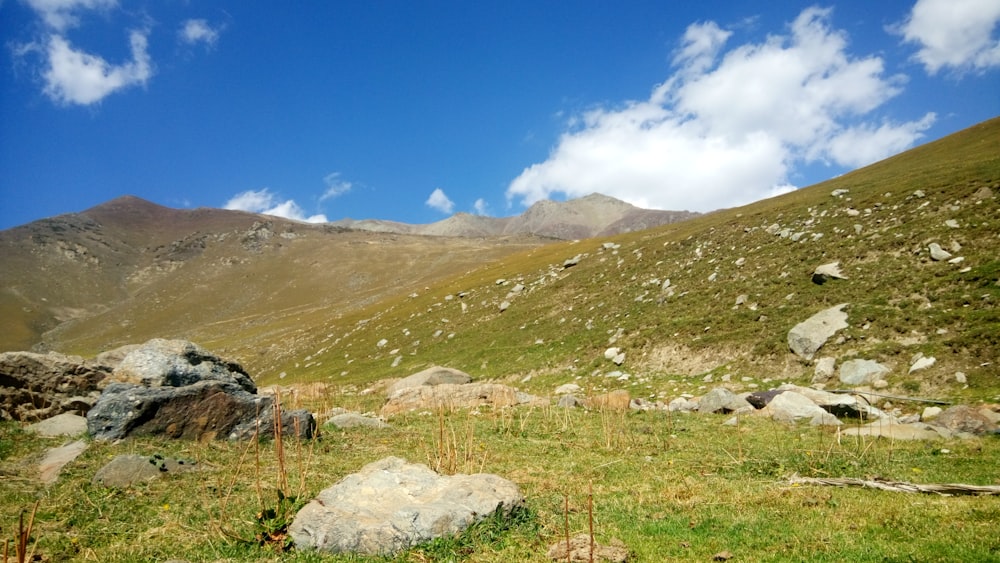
x=585 y=217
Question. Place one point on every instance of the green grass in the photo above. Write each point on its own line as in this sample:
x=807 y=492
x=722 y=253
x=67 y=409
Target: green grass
x=678 y=486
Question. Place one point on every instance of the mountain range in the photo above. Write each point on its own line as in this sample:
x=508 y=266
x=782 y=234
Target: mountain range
x=709 y=296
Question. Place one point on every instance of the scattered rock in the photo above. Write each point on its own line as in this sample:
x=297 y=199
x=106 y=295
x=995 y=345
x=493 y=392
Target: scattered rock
x=960 y=377
x=390 y=505
x=963 y=418
x=760 y=399
x=126 y=470
x=38 y=386
x=176 y=363
x=569 y=402
x=504 y=306
x=838 y=404
x=791 y=406
x=810 y=335
x=680 y=404
x=930 y=413
x=827 y=272
x=568 y=389
x=581 y=549
x=569 y=263
x=937 y=253
x=435 y=375
x=895 y=431
x=861 y=372
x=724 y=401
x=840 y=192
x=951 y=224
x=922 y=363
x=57 y=458
x=452 y=396
x=355 y=420
x=65 y=424
x=824 y=369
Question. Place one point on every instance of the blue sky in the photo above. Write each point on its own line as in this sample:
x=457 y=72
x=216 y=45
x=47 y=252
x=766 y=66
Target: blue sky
x=411 y=111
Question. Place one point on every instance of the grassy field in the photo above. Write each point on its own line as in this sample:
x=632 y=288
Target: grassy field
x=659 y=485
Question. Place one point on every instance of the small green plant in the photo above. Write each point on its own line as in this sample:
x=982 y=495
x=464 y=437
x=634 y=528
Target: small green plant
x=271 y=523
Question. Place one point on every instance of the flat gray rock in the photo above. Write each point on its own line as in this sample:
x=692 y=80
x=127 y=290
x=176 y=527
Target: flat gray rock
x=355 y=420
x=127 y=470
x=65 y=424
x=57 y=458
x=861 y=372
x=435 y=375
x=391 y=505
x=811 y=334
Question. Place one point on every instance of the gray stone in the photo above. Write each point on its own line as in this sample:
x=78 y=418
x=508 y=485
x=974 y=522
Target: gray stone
x=176 y=363
x=838 y=404
x=895 y=431
x=824 y=370
x=680 y=404
x=390 y=505
x=930 y=413
x=435 y=375
x=65 y=424
x=568 y=389
x=127 y=470
x=724 y=401
x=827 y=272
x=922 y=363
x=963 y=418
x=791 y=406
x=355 y=420
x=810 y=335
x=57 y=458
x=176 y=389
x=861 y=372
x=569 y=402
x=937 y=253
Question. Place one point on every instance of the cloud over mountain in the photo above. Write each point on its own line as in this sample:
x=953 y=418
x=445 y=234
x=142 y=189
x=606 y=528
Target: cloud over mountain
x=730 y=126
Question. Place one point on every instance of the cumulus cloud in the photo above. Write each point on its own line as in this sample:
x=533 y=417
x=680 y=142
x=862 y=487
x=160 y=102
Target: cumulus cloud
x=954 y=33
x=268 y=203
x=438 y=200
x=481 y=207
x=335 y=186
x=77 y=77
x=729 y=127
x=61 y=15
x=196 y=31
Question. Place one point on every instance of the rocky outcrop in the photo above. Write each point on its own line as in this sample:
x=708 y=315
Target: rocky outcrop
x=452 y=396
x=179 y=390
x=810 y=335
x=38 y=386
x=390 y=505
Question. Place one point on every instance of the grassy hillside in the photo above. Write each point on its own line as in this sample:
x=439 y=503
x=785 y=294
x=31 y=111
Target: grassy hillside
x=900 y=302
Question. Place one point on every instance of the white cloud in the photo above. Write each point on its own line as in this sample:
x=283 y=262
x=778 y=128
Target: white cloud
x=76 y=77
x=954 y=33
x=334 y=186
x=481 y=207
x=265 y=202
x=61 y=15
x=438 y=200
x=198 y=31
x=726 y=131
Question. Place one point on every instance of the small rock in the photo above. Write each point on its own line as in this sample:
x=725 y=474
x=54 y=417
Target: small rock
x=951 y=224
x=567 y=389
x=960 y=377
x=826 y=272
x=726 y=555
x=57 y=458
x=963 y=418
x=840 y=192
x=922 y=363
x=610 y=353
x=937 y=253
x=504 y=306
x=127 y=470
x=824 y=369
x=722 y=400
x=65 y=424
x=355 y=420
x=805 y=338
x=930 y=412
x=569 y=402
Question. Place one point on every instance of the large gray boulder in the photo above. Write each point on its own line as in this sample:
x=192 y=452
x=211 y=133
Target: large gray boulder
x=176 y=363
x=178 y=390
x=861 y=372
x=790 y=406
x=390 y=505
x=39 y=386
x=723 y=401
x=811 y=334
x=436 y=375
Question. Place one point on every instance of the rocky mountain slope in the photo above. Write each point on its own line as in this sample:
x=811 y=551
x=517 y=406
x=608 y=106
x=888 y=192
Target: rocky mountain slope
x=585 y=217
x=709 y=298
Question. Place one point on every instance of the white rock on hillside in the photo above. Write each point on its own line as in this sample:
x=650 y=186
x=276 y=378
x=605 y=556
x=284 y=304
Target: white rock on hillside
x=810 y=335
x=861 y=372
